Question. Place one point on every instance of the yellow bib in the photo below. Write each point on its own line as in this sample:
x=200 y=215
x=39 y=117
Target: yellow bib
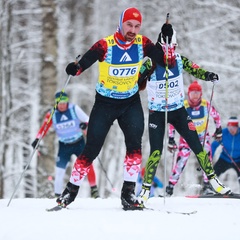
x=118 y=72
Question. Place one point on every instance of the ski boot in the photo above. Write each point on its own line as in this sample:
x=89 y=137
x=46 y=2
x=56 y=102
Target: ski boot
x=207 y=189
x=169 y=189
x=128 y=198
x=94 y=192
x=218 y=186
x=68 y=195
x=144 y=194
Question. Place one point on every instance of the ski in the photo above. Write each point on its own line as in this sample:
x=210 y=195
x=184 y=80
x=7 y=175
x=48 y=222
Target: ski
x=183 y=213
x=217 y=195
x=59 y=208
x=56 y=208
x=171 y=212
x=132 y=208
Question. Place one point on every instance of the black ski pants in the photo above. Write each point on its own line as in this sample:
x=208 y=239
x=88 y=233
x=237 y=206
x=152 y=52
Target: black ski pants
x=129 y=114
x=182 y=123
x=222 y=166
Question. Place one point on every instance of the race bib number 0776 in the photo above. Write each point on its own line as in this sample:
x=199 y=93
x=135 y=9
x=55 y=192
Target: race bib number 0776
x=123 y=71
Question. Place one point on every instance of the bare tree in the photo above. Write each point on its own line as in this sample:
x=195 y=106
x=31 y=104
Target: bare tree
x=48 y=87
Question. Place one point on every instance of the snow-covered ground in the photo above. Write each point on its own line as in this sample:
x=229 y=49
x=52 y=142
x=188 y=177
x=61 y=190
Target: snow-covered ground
x=103 y=219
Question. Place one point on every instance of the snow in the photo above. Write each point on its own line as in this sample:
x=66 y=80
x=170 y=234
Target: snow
x=104 y=219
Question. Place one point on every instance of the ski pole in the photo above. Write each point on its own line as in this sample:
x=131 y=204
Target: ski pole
x=210 y=105
x=166 y=112
x=105 y=172
x=34 y=150
x=234 y=163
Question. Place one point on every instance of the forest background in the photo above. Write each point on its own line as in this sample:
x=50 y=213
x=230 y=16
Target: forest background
x=39 y=38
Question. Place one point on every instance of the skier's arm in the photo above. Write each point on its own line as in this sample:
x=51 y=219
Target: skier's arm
x=83 y=117
x=217 y=120
x=45 y=126
x=214 y=147
x=155 y=53
x=193 y=69
x=43 y=129
x=96 y=52
x=215 y=115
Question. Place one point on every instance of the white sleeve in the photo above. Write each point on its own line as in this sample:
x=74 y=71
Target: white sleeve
x=82 y=116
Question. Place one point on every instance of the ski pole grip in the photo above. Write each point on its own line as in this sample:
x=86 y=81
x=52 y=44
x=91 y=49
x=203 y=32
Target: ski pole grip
x=77 y=59
x=167 y=18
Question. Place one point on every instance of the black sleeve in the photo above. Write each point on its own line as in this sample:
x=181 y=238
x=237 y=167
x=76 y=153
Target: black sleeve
x=96 y=52
x=152 y=51
x=156 y=54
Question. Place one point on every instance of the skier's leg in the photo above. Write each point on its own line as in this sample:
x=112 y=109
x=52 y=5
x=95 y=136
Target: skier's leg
x=156 y=128
x=182 y=158
x=187 y=130
x=132 y=125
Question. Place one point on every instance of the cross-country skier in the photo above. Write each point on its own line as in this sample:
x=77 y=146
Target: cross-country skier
x=117 y=98
x=69 y=122
x=198 y=109
x=230 y=154
x=176 y=113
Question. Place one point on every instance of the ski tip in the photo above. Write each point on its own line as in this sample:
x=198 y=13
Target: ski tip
x=54 y=209
x=192 y=196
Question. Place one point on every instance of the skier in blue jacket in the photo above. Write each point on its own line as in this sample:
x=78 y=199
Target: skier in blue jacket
x=230 y=155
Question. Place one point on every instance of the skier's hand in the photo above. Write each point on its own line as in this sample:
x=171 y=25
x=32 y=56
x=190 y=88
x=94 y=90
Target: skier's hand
x=167 y=31
x=35 y=142
x=72 y=68
x=210 y=76
x=218 y=134
x=144 y=73
x=172 y=146
x=83 y=125
x=170 y=56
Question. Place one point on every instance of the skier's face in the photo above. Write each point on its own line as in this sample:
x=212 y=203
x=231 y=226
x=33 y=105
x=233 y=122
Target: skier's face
x=195 y=96
x=130 y=29
x=233 y=130
x=62 y=106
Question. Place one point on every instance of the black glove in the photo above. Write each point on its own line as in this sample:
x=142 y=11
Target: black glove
x=83 y=125
x=210 y=76
x=167 y=31
x=35 y=142
x=172 y=146
x=218 y=134
x=72 y=68
x=144 y=73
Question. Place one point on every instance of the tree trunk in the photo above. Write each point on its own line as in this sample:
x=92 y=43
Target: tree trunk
x=48 y=87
